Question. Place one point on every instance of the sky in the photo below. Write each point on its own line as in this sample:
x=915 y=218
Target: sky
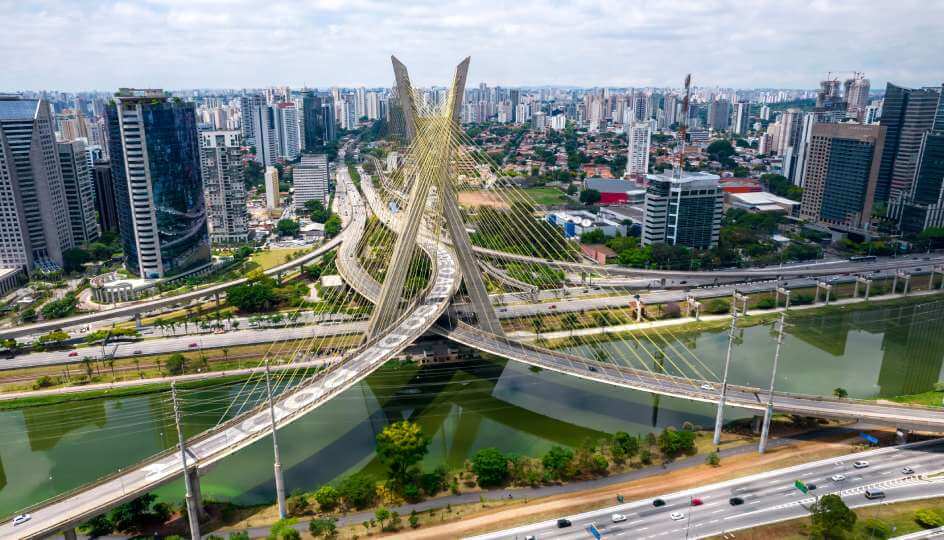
x=176 y=44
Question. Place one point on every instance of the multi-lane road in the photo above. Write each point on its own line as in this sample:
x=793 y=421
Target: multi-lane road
x=766 y=498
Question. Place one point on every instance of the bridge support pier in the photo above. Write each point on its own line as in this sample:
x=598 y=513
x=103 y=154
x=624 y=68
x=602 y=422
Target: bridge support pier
x=277 y=463
x=69 y=534
x=769 y=410
x=193 y=476
x=137 y=321
x=719 y=417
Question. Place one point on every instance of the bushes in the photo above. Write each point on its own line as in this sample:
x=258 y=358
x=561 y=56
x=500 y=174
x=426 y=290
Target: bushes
x=297 y=504
x=877 y=528
x=323 y=527
x=672 y=443
x=717 y=306
x=358 y=491
x=929 y=518
x=766 y=303
x=490 y=467
x=176 y=364
x=328 y=498
x=713 y=459
x=557 y=462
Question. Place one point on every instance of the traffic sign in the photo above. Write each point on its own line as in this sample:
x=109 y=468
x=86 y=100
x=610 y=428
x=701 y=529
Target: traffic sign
x=801 y=486
x=592 y=529
x=869 y=438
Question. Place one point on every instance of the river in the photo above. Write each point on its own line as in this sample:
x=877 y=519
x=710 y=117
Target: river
x=882 y=351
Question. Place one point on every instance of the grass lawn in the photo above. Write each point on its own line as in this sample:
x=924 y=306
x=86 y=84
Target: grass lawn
x=931 y=398
x=274 y=257
x=546 y=196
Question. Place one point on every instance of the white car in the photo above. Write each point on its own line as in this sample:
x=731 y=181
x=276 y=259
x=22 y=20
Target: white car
x=676 y=516
x=618 y=518
x=707 y=386
x=838 y=477
x=907 y=470
x=21 y=519
x=860 y=464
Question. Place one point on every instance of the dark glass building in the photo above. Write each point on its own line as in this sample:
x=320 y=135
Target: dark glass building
x=155 y=152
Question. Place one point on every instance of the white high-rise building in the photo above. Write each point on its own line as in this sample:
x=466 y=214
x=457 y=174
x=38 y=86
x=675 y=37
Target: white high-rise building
x=272 y=188
x=373 y=105
x=311 y=179
x=360 y=103
x=558 y=122
x=742 y=115
x=538 y=121
x=285 y=116
x=223 y=186
x=639 y=136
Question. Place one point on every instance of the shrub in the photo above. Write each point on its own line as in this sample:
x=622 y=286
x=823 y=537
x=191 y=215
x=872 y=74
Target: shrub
x=713 y=459
x=766 y=303
x=673 y=442
x=433 y=482
x=297 y=504
x=877 y=528
x=414 y=520
x=645 y=457
x=322 y=527
x=801 y=299
x=282 y=530
x=671 y=311
x=490 y=467
x=929 y=518
x=717 y=306
x=358 y=490
x=327 y=498
x=176 y=364
x=557 y=462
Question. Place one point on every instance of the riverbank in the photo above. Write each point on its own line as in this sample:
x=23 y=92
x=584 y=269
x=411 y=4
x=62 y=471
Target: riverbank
x=476 y=512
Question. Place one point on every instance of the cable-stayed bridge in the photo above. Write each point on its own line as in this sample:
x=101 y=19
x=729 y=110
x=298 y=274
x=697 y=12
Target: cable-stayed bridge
x=411 y=251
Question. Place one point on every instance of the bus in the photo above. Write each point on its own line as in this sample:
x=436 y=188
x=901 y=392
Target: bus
x=863 y=258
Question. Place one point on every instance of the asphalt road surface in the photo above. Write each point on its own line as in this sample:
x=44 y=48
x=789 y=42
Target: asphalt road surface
x=768 y=497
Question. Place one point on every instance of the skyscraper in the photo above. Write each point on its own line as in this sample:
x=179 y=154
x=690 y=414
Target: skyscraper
x=637 y=154
x=742 y=118
x=311 y=179
x=907 y=114
x=272 y=188
x=223 y=186
x=842 y=174
x=249 y=110
x=330 y=122
x=79 y=191
x=719 y=114
x=34 y=217
x=685 y=211
x=285 y=124
x=155 y=151
x=312 y=112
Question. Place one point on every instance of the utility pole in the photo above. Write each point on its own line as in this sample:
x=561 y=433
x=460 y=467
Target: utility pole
x=769 y=410
x=279 y=482
x=193 y=513
x=719 y=418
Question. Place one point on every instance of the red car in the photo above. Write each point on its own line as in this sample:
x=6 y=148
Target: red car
x=552 y=306
x=192 y=345
x=697 y=502
x=74 y=353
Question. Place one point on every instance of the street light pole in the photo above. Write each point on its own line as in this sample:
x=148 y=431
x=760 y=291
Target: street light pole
x=768 y=411
x=279 y=481
x=193 y=513
x=719 y=418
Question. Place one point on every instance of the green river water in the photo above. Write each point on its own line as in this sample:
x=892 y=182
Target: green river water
x=882 y=351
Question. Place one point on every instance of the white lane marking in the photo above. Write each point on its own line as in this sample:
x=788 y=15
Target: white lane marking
x=718 y=510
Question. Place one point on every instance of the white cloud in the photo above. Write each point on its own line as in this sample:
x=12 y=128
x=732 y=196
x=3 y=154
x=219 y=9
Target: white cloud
x=103 y=44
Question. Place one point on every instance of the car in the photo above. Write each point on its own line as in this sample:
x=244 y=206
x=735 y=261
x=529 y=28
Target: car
x=137 y=351
x=21 y=519
x=562 y=523
x=74 y=353
x=617 y=518
x=907 y=470
x=192 y=345
x=810 y=487
x=677 y=516
x=861 y=464
x=838 y=477
x=707 y=386
x=658 y=502
x=697 y=502
x=552 y=306
x=873 y=493
x=593 y=369
x=736 y=501
x=529 y=537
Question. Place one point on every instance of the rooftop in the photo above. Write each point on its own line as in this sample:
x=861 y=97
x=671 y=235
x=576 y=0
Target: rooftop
x=759 y=198
x=14 y=108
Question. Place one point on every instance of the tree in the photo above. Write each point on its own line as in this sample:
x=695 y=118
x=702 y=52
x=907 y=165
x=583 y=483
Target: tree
x=557 y=461
x=131 y=515
x=358 y=490
x=176 y=364
x=317 y=211
x=840 y=393
x=929 y=518
x=673 y=442
x=253 y=296
x=414 y=519
x=332 y=226
x=328 y=498
x=287 y=227
x=325 y=527
x=589 y=196
x=74 y=258
x=382 y=514
x=100 y=251
x=629 y=444
x=58 y=309
x=831 y=518
x=97 y=526
x=490 y=466
x=400 y=446
x=54 y=338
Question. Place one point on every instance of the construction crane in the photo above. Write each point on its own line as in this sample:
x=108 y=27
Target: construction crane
x=683 y=125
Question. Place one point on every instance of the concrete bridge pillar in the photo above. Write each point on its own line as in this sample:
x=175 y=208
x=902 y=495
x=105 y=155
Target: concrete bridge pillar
x=907 y=283
x=137 y=321
x=69 y=534
x=743 y=298
x=895 y=282
x=756 y=424
x=193 y=476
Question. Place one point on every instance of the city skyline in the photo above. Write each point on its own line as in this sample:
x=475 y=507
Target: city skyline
x=209 y=44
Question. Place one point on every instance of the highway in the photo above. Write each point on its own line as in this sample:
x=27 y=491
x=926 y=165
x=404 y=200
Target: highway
x=767 y=497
